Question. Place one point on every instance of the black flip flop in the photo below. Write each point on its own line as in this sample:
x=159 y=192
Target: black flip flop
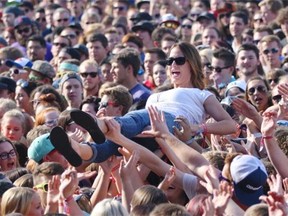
x=88 y=123
x=61 y=142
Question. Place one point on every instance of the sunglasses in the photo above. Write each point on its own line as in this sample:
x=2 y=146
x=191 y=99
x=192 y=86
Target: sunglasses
x=106 y=104
x=260 y=20
x=43 y=186
x=218 y=69
x=41 y=20
x=60 y=44
x=178 y=60
x=261 y=89
x=62 y=20
x=17 y=71
x=227 y=15
x=6 y=155
x=276 y=80
x=22 y=83
x=186 y=26
x=70 y=36
x=24 y=30
x=273 y=50
x=91 y=74
x=277 y=98
x=51 y=123
x=120 y=8
x=71 y=1
x=170 y=25
x=208 y=65
x=256 y=41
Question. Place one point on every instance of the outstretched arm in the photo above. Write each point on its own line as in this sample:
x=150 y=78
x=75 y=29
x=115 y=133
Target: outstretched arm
x=276 y=155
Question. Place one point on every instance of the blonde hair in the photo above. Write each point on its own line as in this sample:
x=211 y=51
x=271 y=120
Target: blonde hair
x=17 y=199
x=15 y=113
x=109 y=207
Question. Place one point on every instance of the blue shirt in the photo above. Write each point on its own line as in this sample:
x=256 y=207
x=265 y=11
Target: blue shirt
x=139 y=92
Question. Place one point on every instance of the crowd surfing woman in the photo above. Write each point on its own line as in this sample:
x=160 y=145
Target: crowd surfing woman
x=188 y=98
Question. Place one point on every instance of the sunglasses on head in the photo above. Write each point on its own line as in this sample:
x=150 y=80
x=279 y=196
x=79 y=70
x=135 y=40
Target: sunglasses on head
x=91 y=74
x=218 y=69
x=22 y=83
x=261 y=89
x=178 y=60
x=51 y=123
x=273 y=50
x=17 y=71
x=24 y=30
x=170 y=25
x=277 y=98
x=186 y=26
x=43 y=186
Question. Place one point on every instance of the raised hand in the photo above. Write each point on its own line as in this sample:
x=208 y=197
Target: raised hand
x=53 y=194
x=158 y=123
x=276 y=204
x=69 y=183
x=185 y=133
x=211 y=180
x=275 y=184
x=221 y=197
x=127 y=166
x=244 y=108
x=269 y=123
x=168 y=179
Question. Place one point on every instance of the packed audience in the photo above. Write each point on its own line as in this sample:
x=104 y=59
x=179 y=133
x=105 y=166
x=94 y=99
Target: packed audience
x=144 y=107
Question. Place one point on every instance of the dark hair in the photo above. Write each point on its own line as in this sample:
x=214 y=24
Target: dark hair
x=72 y=52
x=98 y=37
x=16 y=173
x=225 y=55
x=130 y=37
x=91 y=100
x=128 y=56
x=159 y=52
x=242 y=15
x=37 y=38
x=160 y=32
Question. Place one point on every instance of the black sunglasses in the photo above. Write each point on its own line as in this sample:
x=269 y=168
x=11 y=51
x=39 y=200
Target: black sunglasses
x=256 y=41
x=276 y=80
x=273 y=50
x=70 y=36
x=218 y=69
x=277 y=98
x=186 y=26
x=24 y=30
x=64 y=20
x=178 y=60
x=120 y=8
x=261 y=89
x=222 y=15
x=41 y=19
x=91 y=74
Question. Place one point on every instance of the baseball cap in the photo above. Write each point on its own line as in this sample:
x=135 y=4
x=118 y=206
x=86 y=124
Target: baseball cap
x=249 y=175
x=143 y=25
x=7 y=83
x=241 y=84
x=27 y=4
x=19 y=63
x=40 y=147
x=140 y=17
x=22 y=20
x=13 y=10
x=42 y=67
x=140 y=2
x=206 y=15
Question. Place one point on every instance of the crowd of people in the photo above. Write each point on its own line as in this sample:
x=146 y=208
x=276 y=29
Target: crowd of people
x=144 y=107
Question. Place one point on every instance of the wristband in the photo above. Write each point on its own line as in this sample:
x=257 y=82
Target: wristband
x=267 y=137
x=68 y=199
x=262 y=141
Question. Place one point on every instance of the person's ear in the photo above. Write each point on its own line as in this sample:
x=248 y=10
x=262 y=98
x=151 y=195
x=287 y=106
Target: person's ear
x=119 y=110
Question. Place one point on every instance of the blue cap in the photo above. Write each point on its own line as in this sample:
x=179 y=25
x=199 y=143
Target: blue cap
x=40 y=147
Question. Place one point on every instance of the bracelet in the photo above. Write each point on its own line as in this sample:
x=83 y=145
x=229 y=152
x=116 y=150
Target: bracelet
x=202 y=129
x=68 y=199
x=115 y=168
x=190 y=141
x=267 y=137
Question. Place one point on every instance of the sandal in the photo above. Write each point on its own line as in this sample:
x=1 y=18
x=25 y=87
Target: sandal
x=88 y=123
x=61 y=142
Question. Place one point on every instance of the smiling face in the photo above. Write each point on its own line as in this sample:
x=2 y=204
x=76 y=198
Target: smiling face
x=257 y=94
x=180 y=74
x=7 y=157
x=247 y=62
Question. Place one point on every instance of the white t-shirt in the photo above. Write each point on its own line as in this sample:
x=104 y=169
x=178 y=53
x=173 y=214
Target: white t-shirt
x=187 y=102
x=190 y=185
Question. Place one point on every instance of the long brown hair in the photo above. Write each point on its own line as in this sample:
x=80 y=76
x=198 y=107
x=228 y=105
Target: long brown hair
x=194 y=60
